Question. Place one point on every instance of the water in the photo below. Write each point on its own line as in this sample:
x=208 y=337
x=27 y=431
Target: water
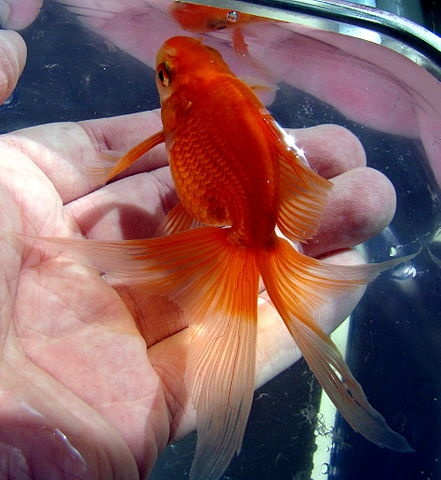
x=394 y=339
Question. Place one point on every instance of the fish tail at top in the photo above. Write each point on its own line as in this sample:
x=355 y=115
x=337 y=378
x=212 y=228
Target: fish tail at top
x=300 y=287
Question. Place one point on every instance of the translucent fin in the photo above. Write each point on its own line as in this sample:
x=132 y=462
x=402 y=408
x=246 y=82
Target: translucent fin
x=164 y=264
x=103 y=163
x=265 y=90
x=304 y=195
x=299 y=287
x=239 y=44
x=216 y=284
x=103 y=174
x=177 y=220
x=221 y=364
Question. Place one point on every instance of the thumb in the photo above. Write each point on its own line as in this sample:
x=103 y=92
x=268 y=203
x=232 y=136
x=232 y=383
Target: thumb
x=18 y=14
x=12 y=61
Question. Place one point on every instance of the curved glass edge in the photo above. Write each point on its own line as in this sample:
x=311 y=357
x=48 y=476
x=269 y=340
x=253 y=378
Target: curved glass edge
x=396 y=33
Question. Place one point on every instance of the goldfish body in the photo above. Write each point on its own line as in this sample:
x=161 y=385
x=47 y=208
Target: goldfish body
x=238 y=179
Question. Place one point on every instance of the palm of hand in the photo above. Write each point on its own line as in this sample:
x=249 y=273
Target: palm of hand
x=73 y=361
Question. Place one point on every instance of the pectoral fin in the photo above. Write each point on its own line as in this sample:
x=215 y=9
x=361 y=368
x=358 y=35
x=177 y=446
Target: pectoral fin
x=103 y=174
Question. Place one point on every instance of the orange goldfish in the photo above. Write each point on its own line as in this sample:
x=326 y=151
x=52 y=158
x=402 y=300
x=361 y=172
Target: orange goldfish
x=237 y=179
x=203 y=18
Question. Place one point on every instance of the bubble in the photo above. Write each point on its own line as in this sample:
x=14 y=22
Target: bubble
x=232 y=16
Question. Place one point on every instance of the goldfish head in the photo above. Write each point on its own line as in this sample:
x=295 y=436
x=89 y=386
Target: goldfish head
x=184 y=60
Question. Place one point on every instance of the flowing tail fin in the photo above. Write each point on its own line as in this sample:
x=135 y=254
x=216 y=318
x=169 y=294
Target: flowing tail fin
x=221 y=369
x=216 y=284
x=299 y=286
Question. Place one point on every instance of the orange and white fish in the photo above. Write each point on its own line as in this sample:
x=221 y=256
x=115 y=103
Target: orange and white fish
x=203 y=18
x=237 y=179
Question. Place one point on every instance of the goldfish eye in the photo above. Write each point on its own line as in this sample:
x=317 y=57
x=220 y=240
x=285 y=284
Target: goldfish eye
x=163 y=73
